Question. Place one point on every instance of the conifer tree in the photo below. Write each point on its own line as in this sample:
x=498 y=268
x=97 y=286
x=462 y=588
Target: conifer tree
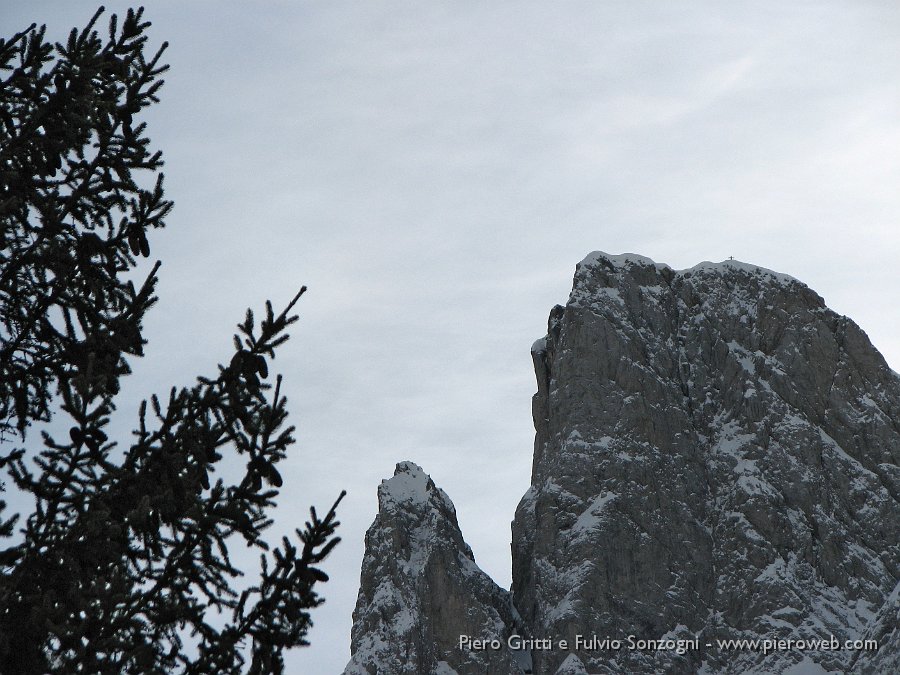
x=124 y=564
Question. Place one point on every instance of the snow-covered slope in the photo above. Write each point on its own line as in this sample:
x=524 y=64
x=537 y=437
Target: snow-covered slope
x=716 y=458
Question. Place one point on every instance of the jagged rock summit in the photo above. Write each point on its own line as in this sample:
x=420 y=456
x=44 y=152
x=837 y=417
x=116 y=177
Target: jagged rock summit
x=421 y=590
x=716 y=458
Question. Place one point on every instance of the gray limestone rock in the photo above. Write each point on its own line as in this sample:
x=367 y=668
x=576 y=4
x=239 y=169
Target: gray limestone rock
x=885 y=631
x=421 y=591
x=716 y=458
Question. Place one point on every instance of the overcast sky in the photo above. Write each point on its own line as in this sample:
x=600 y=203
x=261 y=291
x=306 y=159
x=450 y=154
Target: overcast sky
x=433 y=171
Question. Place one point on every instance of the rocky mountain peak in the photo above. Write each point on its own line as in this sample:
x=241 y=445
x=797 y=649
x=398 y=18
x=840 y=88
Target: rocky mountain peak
x=421 y=591
x=716 y=459
x=411 y=490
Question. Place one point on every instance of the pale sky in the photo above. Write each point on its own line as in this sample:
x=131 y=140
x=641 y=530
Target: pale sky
x=434 y=171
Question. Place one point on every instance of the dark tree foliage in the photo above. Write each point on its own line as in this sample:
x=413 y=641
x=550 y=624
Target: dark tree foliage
x=124 y=565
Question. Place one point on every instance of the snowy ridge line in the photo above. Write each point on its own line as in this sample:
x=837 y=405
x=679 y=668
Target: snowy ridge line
x=730 y=265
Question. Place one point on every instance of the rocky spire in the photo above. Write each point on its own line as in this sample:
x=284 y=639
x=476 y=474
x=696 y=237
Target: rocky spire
x=421 y=593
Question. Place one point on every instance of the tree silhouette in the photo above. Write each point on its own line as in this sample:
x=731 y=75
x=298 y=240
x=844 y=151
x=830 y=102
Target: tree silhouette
x=123 y=566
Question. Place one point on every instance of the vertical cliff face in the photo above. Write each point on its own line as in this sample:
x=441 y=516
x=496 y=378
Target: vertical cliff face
x=421 y=591
x=716 y=458
x=716 y=455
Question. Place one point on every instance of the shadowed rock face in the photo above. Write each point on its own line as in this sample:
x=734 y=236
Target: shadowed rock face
x=716 y=457
x=421 y=590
